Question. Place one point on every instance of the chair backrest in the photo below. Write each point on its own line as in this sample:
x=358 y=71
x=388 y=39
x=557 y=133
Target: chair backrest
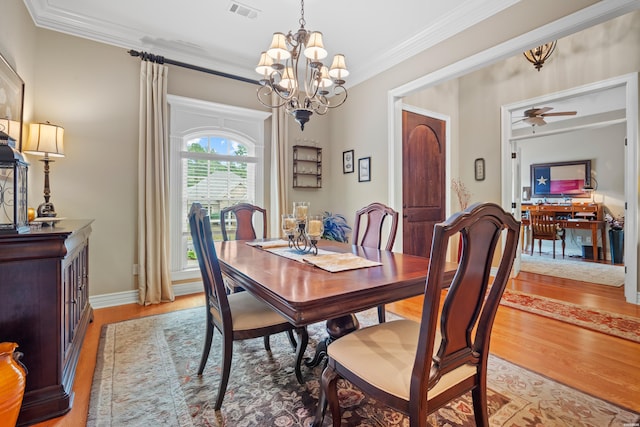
x=543 y=225
x=471 y=302
x=376 y=214
x=214 y=287
x=244 y=221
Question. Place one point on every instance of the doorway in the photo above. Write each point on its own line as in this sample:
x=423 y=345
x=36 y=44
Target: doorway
x=511 y=166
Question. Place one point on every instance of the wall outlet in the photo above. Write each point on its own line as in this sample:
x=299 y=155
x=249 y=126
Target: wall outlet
x=579 y=239
x=588 y=239
x=136 y=269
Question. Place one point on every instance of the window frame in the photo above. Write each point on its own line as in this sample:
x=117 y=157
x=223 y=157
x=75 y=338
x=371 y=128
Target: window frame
x=189 y=119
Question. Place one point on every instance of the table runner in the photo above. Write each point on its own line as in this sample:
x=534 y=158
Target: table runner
x=327 y=260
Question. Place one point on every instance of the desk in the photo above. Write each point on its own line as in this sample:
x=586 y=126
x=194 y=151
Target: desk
x=305 y=294
x=593 y=225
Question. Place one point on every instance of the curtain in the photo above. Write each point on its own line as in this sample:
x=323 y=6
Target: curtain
x=279 y=137
x=154 y=280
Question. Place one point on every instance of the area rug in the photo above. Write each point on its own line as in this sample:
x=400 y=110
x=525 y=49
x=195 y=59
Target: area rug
x=603 y=274
x=603 y=321
x=146 y=376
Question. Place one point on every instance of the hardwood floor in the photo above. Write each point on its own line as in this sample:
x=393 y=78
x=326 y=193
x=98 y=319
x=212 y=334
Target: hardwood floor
x=598 y=364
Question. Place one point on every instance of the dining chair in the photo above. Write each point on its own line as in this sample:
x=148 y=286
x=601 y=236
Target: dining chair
x=372 y=237
x=244 y=213
x=418 y=367
x=236 y=316
x=545 y=227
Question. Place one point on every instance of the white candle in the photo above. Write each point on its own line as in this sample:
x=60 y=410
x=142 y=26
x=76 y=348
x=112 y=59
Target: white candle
x=301 y=212
x=315 y=227
x=290 y=223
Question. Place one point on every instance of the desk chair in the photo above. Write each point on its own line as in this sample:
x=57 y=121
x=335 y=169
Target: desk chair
x=545 y=227
x=376 y=214
x=237 y=316
x=417 y=367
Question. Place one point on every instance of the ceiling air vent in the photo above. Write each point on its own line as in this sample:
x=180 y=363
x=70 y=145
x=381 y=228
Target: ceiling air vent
x=243 y=10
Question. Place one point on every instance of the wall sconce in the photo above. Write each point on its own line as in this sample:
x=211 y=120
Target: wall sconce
x=539 y=54
x=13 y=187
x=46 y=140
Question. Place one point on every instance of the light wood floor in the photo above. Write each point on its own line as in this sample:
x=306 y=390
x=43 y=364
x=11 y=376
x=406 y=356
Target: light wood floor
x=599 y=364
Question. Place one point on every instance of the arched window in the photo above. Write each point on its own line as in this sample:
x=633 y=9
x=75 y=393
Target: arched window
x=214 y=161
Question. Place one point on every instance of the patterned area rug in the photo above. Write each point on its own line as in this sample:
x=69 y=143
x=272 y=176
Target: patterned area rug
x=145 y=376
x=606 y=322
x=603 y=274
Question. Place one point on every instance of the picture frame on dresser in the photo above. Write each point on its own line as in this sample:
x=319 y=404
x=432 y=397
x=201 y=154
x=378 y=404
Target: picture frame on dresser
x=11 y=102
x=561 y=179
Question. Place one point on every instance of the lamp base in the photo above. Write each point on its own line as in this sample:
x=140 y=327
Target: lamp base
x=46 y=210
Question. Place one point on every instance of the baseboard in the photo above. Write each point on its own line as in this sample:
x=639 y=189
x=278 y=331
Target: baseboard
x=131 y=297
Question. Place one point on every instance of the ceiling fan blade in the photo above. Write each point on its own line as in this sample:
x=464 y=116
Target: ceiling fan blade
x=560 y=113
x=536 y=111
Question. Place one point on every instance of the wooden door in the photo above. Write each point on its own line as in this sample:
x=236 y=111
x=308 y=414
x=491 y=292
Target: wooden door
x=423 y=181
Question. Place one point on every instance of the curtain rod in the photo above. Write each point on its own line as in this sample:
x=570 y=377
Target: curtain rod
x=145 y=56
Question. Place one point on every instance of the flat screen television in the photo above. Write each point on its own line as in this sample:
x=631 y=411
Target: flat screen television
x=561 y=179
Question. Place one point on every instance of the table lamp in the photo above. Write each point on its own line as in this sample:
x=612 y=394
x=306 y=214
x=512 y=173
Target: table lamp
x=45 y=140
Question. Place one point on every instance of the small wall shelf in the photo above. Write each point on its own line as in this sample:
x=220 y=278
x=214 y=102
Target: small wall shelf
x=307 y=166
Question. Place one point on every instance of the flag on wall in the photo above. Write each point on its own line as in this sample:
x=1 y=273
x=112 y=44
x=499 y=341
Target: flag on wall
x=557 y=180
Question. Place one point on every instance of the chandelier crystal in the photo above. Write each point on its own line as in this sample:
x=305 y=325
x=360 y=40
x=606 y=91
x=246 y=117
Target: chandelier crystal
x=301 y=87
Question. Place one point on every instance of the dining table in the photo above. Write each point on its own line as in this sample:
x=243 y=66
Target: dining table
x=305 y=294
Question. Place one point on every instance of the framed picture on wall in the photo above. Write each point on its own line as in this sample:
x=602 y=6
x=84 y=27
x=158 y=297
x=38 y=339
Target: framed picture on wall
x=347 y=161
x=560 y=179
x=364 y=169
x=11 y=102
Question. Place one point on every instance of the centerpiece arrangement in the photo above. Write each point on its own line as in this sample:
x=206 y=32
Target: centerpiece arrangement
x=302 y=230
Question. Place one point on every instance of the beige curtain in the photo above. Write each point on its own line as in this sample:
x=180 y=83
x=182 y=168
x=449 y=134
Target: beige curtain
x=279 y=138
x=154 y=280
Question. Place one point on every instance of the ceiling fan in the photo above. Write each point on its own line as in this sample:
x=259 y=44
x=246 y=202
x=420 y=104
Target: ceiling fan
x=535 y=116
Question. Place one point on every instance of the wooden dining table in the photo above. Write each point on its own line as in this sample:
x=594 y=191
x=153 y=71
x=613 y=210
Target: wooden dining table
x=305 y=294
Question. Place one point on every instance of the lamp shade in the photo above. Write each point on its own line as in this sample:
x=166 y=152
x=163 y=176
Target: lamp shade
x=315 y=48
x=278 y=49
x=45 y=139
x=338 y=68
x=264 y=67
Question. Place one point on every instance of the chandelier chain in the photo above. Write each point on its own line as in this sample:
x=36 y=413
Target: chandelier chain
x=302 y=21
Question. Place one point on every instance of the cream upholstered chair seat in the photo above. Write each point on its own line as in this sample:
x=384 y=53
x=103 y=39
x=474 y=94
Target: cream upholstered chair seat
x=384 y=357
x=248 y=312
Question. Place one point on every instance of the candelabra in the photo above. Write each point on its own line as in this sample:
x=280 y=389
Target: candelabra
x=302 y=230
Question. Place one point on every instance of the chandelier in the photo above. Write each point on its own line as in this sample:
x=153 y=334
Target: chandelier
x=302 y=87
x=539 y=54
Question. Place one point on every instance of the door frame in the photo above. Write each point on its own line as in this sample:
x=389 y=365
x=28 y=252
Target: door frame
x=511 y=184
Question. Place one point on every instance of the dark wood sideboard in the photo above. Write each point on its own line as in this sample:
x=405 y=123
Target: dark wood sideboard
x=44 y=307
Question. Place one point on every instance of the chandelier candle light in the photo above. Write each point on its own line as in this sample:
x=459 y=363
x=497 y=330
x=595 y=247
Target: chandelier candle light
x=301 y=88
x=303 y=230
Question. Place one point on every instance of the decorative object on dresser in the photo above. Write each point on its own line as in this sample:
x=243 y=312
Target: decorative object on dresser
x=13 y=187
x=46 y=140
x=44 y=306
